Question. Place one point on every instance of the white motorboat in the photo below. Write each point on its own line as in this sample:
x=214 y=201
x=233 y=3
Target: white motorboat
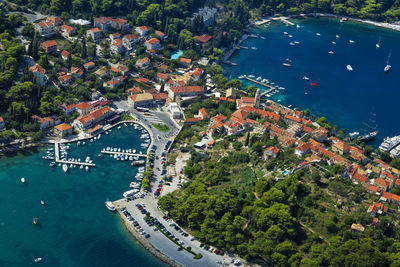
x=287 y=64
x=318 y=34
x=87 y=168
x=349 y=68
x=337 y=36
x=388 y=67
x=378 y=45
x=351 y=41
x=110 y=206
x=333 y=42
x=292 y=44
x=23 y=180
x=298 y=26
x=81 y=167
x=331 y=52
x=306 y=78
x=290 y=36
x=42 y=202
x=285 y=33
x=37 y=259
x=65 y=167
x=296 y=42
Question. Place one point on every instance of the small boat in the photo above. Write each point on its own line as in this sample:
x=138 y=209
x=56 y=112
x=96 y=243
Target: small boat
x=378 y=45
x=254 y=48
x=331 y=52
x=285 y=33
x=42 y=202
x=87 y=168
x=351 y=41
x=287 y=64
x=349 y=68
x=337 y=36
x=314 y=84
x=296 y=42
x=23 y=180
x=388 y=67
x=290 y=36
x=318 y=34
x=306 y=78
x=35 y=221
x=288 y=60
x=37 y=259
x=110 y=206
x=65 y=167
x=291 y=43
x=333 y=42
x=298 y=26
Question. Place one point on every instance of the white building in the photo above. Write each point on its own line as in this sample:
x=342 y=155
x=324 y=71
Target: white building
x=174 y=110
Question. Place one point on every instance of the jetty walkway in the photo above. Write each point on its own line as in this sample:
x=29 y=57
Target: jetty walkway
x=271 y=88
x=123 y=153
x=58 y=160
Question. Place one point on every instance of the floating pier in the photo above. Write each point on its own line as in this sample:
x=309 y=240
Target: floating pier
x=271 y=88
x=123 y=153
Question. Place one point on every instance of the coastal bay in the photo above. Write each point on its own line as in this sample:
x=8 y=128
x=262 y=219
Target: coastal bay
x=75 y=228
x=347 y=99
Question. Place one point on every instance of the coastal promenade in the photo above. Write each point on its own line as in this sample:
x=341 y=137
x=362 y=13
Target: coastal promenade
x=123 y=153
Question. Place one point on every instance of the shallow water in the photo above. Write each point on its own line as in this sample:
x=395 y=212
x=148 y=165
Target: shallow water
x=75 y=227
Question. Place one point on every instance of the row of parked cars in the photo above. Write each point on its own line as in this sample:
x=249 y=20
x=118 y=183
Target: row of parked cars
x=135 y=223
x=211 y=249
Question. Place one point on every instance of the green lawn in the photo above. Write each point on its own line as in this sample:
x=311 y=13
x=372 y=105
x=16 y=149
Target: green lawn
x=161 y=127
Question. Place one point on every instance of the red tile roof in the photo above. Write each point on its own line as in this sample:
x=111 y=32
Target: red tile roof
x=83 y=105
x=185 y=60
x=374 y=189
x=204 y=38
x=37 y=68
x=153 y=41
x=187 y=89
x=100 y=112
x=63 y=127
x=360 y=177
x=48 y=44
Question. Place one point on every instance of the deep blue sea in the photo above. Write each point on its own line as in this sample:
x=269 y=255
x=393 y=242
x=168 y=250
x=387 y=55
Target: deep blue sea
x=75 y=227
x=345 y=98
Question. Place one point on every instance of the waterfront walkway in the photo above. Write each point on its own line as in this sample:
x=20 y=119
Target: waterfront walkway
x=271 y=88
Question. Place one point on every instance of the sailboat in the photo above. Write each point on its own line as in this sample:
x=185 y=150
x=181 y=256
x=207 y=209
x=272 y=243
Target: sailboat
x=388 y=67
x=378 y=45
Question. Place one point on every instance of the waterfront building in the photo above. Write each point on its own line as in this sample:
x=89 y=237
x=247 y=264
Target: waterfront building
x=63 y=130
x=83 y=122
x=49 y=46
x=44 y=123
x=39 y=75
x=144 y=100
x=84 y=108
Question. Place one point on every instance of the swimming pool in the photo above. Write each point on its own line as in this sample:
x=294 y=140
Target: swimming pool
x=177 y=54
x=285 y=172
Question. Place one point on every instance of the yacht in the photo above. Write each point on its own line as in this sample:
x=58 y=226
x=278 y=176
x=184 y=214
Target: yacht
x=351 y=41
x=65 y=167
x=37 y=259
x=287 y=64
x=110 y=206
x=337 y=36
x=354 y=135
x=254 y=48
x=349 y=68
x=35 y=221
x=288 y=60
x=389 y=143
x=395 y=152
x=87 y=168
x=331 y=53
x=306 y=78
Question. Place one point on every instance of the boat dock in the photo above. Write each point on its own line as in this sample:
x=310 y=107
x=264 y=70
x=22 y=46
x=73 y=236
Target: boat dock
x=123 y=153
x=261 y=22
x=58 y=160
x=270 y=87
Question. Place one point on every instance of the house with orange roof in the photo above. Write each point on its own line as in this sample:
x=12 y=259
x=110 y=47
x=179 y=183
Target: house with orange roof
x=153 y=43
x=192 y=120
x=63 y=130
x=204 y=38
x=245 y=101
x=302 y=150
x=89 y=65
x=39 y=75
x=44 y=123
x=390 y=197
x=120 y=24
x=240 y=114
x=203 y=114
x=341 y=147
x=130 y=41
x=382 y=184
x=215 y=128
x=160 y=34
x=320 y=134
x=102 y=23
x=67 y=31
x=83 y=122
x=162 y=77
x=271 y=152
x=69 y=109
x=377 y=209
x=233 y=128
x=115 y=82
x=101 y=114
x=65 y=54
x=292 y=119
x=45 y=29
x=142 y=30
x=49 y=46
x=84 y=108
x=361 y=178
x=134 y=90
x=143 y=63
x=374 y=190
x=218 y=118
x=95 y=34
x=145 y=100
x=197 y=74
x=77 y=72
x=117 y=47
x=185 y=62
x=160 y=98
x=65 y=80
x=114 y=36
x=57 y=21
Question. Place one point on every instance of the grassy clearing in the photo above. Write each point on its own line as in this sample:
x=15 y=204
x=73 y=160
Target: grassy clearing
x=161 y=127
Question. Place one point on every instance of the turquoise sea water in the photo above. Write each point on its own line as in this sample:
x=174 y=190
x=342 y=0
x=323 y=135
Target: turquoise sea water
x=75 y=227
x=345 y=98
